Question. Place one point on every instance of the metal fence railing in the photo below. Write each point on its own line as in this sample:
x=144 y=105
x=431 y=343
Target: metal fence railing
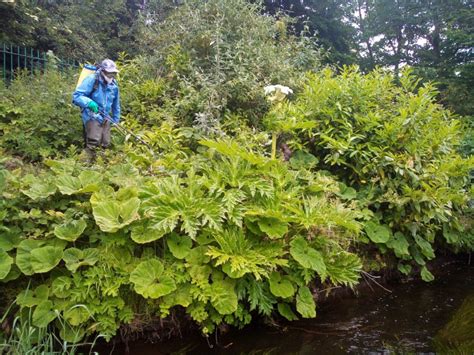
x=14 y=58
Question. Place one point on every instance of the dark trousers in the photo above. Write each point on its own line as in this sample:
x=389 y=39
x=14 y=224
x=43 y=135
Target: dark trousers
x=96 y=135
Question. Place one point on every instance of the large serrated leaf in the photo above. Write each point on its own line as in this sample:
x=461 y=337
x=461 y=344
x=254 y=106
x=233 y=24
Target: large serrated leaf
x=281 y=286
x=305 y=303
x=180 y=246
x=378 y=233
x=149 y=281
x=6 y=262
x=70 y=230
x=308 y=257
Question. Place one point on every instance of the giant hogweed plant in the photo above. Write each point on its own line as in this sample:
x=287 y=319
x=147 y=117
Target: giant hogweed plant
x=398 y=148
x=236 y=234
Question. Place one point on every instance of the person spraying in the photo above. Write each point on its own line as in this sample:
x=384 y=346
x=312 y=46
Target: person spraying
x=98 y=96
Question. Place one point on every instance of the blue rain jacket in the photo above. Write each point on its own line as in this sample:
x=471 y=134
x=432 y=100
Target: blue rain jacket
x=106 y=96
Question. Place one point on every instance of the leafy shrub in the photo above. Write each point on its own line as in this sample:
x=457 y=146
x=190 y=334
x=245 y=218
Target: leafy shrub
x=231 y=235
x=37 y=117
x=398 y=149
x=216 y=56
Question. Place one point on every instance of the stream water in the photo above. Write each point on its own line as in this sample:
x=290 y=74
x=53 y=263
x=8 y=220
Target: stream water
x=414 y=317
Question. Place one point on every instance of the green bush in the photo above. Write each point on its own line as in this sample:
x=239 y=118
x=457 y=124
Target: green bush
x=37 y=118
x=231 y=235
x=214 y=57
x=399 y=149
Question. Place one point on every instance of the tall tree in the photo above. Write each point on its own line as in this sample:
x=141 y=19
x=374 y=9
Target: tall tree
x=327 y=18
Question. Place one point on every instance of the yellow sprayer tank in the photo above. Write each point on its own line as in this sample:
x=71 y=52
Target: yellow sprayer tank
x=86 y=71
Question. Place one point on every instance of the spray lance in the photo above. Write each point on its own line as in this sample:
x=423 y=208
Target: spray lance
x=122 y=130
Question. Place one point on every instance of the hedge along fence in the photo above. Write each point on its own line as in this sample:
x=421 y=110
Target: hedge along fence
x=13 y=58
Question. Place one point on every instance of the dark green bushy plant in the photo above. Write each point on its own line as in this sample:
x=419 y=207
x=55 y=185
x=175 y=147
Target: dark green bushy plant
x=217 y=56
x=37 y=117
x=398 y=148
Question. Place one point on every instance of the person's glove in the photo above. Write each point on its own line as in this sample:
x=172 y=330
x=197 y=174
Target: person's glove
x=93 y=106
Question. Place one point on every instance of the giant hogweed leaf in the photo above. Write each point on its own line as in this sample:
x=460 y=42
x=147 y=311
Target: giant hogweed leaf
x=307 y=256
x=40 y=189
x=378 y=233
x=45 y=258
x=234 y=150
x=44 y=314
x=344 y=268
x=144 y=233
x=281 y=286
x=6 y=262
x=70 y=230
x=223 y=296
x=76 y=258
x=273 y=227
x=112 y=215
x=305 y=303
x=149 y=280
x=179 y=245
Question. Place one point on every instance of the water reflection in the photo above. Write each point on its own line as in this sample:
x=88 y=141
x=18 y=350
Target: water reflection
x=415 y=317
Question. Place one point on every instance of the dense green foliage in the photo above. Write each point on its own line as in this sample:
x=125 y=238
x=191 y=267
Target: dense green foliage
x=37 y=118
x=218 y=227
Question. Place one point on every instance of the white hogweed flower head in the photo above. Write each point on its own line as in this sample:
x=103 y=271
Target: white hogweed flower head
x=277 y=92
